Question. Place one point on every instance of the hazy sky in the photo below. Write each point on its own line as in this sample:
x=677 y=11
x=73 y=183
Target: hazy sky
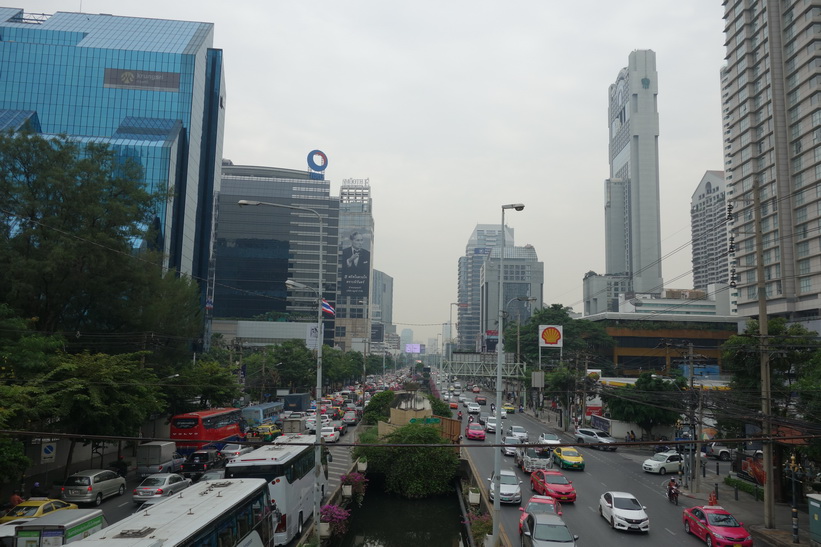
x=453 y=108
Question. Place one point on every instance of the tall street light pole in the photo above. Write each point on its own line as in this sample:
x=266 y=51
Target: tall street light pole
x=319 y=340
x=500 y=359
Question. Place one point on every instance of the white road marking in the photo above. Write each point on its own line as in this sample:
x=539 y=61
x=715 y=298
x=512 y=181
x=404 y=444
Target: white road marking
x=670 y=532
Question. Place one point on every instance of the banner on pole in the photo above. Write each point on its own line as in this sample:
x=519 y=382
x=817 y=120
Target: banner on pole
x=550 y=336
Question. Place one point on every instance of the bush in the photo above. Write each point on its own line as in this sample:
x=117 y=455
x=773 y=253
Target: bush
x=744 y=486
x=336 y=516
x=480 y=526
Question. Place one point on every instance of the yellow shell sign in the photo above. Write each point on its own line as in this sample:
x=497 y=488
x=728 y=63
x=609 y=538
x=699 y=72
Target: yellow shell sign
x=550 y=336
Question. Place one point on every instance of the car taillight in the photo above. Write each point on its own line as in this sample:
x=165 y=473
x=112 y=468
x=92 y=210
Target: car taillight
x=160 y=470
x=281 y=525
x=159 y=491
x=89 y=489
x=135 y=492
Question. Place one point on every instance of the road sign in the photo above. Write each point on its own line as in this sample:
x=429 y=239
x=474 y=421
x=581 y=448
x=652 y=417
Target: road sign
x=48 y=453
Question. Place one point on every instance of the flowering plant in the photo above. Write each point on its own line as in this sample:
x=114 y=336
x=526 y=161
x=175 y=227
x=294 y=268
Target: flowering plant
x=336 y=516
x=480 y=525
x=358 y=482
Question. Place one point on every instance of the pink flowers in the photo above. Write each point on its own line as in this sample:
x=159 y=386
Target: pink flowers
x=336 y=516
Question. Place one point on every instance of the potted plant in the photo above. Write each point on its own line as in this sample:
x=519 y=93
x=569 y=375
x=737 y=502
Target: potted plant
x=335 y=517
x=473 y=495
x=356 y=485
x=362 y=464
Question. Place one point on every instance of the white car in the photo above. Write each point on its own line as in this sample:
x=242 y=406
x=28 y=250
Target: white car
x=490 y=424
x=510 y=490
x=473 y=408
x=330 y=434
x=519 y=432
x=624 y=512
x=549 y=439
x=503 y=413
x=663 y=463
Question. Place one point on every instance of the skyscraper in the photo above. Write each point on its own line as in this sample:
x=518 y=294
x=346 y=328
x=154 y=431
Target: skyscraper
x=772 y=137
x=152 y=89
x=708 y=220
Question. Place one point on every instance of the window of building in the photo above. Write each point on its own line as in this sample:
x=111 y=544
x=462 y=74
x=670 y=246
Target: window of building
x=801 y=214
x=805 y=285
x=752 y=292
x=802 y=249
x=339 y=332
x=804 y=266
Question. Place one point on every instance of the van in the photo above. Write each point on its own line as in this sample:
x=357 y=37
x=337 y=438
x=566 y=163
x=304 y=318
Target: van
x=60 y=527
x=92 y=486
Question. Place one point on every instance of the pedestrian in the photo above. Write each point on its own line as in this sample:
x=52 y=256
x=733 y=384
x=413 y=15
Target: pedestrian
x=632 y=436
x=16 y=499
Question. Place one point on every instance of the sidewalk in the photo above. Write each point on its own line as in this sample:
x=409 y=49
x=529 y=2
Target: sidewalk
x=746 y=508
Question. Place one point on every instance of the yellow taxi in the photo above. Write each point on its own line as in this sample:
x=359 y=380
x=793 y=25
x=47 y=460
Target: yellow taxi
x=263 y=433
x=35 y=508
x=509 y=408
x=568 y=458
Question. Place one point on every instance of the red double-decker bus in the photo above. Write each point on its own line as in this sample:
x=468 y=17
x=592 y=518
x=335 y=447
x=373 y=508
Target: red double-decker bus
x=214 y=427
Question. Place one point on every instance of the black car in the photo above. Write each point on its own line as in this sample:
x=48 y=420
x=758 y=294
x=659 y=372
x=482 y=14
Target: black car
x=483 y=417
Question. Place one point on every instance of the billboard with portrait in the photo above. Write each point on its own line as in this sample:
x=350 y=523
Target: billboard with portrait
x=355 y=262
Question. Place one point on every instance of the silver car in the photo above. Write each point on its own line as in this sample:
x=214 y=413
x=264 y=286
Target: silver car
x=159 y=485
x=510 y=445
x=597 y=438
x=233 y=450
x=510 y=490
x=92 y=486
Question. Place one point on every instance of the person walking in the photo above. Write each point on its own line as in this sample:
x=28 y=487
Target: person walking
x=16 y=499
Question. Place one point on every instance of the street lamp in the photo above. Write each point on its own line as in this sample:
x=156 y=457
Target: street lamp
x=795 y=473
x=500 y=359
x=319 y=339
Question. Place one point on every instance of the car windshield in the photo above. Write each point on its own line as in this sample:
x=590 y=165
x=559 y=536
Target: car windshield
x=153 y=481
x=552 y=532
x=718 y=519
x=475 y=426
x=550 y=437
x=603 y=435
x=537 y=508
x=534 y=453
x=660 y=458
x=509 y=479
x=511 y=440
x=569 y=452
x=231 y=448
x=23 y=511
x=518 y=429
x=556 y=479
x=631 y=504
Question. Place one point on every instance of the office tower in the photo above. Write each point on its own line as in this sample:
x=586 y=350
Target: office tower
x=772 y=148
x=382 y=326
x=258 y=248
x=523 y=280
x=151 y=89
x=484 y=238
x=708 y=222
x=356 y=235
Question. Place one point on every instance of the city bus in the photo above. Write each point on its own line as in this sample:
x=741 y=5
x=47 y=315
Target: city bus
x=263 y=413
x=215 y=427
x=224 y=513
x=287 y=466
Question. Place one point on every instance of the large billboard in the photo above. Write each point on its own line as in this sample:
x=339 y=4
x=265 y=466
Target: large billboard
x=355 y=262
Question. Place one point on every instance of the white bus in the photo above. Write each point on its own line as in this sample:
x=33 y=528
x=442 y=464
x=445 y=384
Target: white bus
x=224 y=513
x=288 y=467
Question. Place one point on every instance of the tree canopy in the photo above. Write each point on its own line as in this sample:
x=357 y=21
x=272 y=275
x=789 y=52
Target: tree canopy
x=650 y=402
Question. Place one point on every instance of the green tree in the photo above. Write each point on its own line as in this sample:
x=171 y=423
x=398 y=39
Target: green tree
x=203 y=385
x=562 y=383
x=439 y=407
x=650 y=402
x=379 y=408
x=418 y=471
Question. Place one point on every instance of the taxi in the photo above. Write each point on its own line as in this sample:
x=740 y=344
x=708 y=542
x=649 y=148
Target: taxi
x=509 y=408
x=553 y=484
x=36 y=507
x=568 y=458
x=263 y=433
x=715 y=526
x=539 y=505
x=475 y=432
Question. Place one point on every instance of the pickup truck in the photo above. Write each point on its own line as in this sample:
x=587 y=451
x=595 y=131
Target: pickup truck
x=531 y=459
x=718 y=451
x=201 y=461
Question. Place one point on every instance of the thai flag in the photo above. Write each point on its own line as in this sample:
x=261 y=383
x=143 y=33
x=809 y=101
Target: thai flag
x=327 y=308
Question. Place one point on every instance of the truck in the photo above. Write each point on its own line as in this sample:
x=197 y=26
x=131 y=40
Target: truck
x=530 y=459
x=200 y=461
x=60 y=527
x=294 y=425
x=158 y=457
x=297 y=402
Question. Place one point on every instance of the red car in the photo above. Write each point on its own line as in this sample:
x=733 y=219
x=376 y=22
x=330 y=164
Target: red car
x=715 y=526
x=475 y=432
x=539 y=505
x=476 y=389
x=552 y=483
x=454 y=404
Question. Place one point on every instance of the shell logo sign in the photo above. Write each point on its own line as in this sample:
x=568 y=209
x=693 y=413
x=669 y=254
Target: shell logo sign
x=550 y=336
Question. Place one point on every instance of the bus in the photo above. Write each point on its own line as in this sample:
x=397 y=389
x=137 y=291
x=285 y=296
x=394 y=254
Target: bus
x=215 y=427
x=287 y=466
x=263 y=413
x=224 y=513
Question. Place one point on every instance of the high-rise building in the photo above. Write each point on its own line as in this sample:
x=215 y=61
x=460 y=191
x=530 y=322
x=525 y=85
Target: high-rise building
x=356 y=236
x=151 y=89
x=631 y=209
x=382 y=327
x=708 y=221
x=258 y=248
x=484 y=238
x=772 y=147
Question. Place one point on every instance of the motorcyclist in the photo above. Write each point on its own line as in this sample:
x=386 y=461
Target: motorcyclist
x=460 y=414
x=492 y=407
x=470 y=419
x=672 y=489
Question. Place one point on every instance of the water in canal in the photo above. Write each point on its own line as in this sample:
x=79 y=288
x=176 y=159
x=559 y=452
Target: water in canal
x=386 y=520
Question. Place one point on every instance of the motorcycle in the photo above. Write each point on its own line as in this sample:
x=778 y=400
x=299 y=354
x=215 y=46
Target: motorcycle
x=672 y=494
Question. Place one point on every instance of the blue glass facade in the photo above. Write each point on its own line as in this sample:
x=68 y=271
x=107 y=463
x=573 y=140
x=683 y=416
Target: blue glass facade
x=152 y=89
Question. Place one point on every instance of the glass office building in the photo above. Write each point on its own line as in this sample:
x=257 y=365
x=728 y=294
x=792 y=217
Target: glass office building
x=152 y=89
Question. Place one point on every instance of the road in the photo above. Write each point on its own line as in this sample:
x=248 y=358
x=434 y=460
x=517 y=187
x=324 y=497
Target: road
x=604 y=471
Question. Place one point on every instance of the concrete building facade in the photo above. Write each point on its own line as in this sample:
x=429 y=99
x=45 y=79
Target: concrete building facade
x=708 y=225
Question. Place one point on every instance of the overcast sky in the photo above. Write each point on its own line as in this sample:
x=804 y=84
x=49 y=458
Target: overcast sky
x=453 y=108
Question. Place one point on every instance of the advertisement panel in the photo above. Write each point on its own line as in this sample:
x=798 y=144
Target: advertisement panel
x=550 y=336
x=355 y=262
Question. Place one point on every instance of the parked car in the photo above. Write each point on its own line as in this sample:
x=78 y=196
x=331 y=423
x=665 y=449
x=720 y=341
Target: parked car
x=510 y=490
x=715 y=526
x=552 y=483
x=663 y=463
x=624 y=512
x=33 y=508
x=519 y=432
x=160 y=485
x=568 y=458
x=233 y=450
x=509 y=445
x=475 y=432
x=550 y=439
x=330 y=434
x=718 y=451
x=545 y=531
x=597 y=438
x=92 y=486
x=539 y=505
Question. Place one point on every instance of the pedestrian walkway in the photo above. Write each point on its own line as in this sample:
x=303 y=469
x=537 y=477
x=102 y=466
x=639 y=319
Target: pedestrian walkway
x=742 y=505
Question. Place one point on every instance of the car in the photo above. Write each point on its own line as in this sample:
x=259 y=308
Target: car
x=503 y=413
x=233 y=450
x=213 y=475
x=463 y=400
x=340 y=426
x=529 y=459
x=473 y=408
x=718 y=451
x=539 y=505
x=350 y=418
x=92 y=486
x=35 y=507
x=597 y=438
x=330 y=434
x=490 y=425
x=663 y=463
x=568 y=458
x=477 y=389
x=480 y=400
x=548 y=482
x=482 y=418
x=510 y=490
x=715 y=526
x=159 y=485
x=265 y=432
x=509 y=408
x=509 y=445
x=454 y=404
x=550 y=439
x=546 y=530
x=475 y=432
x=518 y=431
x=624 y=512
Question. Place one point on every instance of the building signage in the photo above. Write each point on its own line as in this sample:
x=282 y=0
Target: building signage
x=118 y=78
x=355 y=262
x=413 y=348
x=317 y=160
x=356 y=182
x=550 y=336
